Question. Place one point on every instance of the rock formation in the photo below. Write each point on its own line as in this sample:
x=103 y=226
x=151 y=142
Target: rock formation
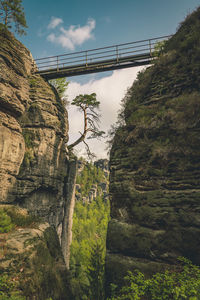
x=155 y=163
x=34 y=165
x=31 y=258
x=96 y=189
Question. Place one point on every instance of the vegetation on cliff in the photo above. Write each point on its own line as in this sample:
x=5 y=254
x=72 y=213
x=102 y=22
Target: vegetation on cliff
x=89 y=236
x=21 y=277
x=33 y=174
x=12 y=13
x=182 y=283
x=31 y=259
x=155 y=165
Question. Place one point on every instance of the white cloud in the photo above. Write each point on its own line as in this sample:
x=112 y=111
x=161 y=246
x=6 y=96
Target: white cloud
x=54 y=22
x=75 y=35
x=110 y=91
x=64 y=41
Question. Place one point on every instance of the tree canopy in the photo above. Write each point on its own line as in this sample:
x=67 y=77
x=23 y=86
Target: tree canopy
x=60 y=84
x=12 y=14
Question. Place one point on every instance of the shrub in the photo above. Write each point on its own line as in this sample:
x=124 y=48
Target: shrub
x=7 y=289
x=184 y=283
x=21 y=219
x=11 y=216
x=5 y=222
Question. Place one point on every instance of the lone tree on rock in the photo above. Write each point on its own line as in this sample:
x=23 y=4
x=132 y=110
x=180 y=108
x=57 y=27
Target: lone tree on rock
x=88 y=104
x=12 y=13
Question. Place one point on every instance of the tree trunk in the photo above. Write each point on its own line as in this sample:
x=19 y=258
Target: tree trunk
x=82 y=137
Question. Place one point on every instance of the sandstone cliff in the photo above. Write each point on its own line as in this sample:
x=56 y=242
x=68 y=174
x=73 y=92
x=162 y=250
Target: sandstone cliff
x=31 y=262
x=155 y=163
x=34 y=165
x=99 y=186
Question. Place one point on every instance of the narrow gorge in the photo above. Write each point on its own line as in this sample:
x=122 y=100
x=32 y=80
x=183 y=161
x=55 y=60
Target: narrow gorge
x=151 y=208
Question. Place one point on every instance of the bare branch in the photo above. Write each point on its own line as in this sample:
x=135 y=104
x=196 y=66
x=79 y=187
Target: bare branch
x=89 y=153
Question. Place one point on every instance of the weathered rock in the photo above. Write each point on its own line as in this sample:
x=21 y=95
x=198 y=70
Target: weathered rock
x=102 y=164
x=34 y=163
x=96 y=189
x=155 y=163
x=66 y=237
x=12 y=148
x=33 y=129
x=32 y=258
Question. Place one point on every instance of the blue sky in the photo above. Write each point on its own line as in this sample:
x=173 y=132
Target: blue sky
x=116 y=21
x=63 y=26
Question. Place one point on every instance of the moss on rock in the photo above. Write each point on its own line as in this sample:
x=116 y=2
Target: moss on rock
x=32 y=259
x=154 y=161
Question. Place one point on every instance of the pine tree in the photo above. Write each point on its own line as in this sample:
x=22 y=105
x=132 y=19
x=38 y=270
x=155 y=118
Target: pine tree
x=12 y=14
x=88 y=104
x=96 y=271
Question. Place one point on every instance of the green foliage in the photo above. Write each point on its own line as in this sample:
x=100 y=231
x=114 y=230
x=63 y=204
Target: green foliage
x=86 y=100
x=11 y=216
x=96 y=271
x=21 y=219
x=184 y=283
x=33 y=82
x=12 y=13
x=89 y=176
x=28 y=158
x=7 y=289
x=89 y=236
x=5 y=222
x=60 y=84
x=88 y=104
x=29 y=137
x=159 y=48
x=187 y=38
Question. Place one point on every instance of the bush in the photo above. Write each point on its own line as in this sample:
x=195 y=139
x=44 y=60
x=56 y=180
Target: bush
x=11 y=216
x=7 y=289
x=184 y=283
x=20 y=218
x=5 y=222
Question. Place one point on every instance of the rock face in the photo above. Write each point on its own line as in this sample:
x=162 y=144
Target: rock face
x=99 y=187
x=34 y=165
x=104 y=165
x=155 y=164
x=32 y=259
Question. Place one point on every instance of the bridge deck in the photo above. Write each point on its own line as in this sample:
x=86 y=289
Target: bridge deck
x=98 y=60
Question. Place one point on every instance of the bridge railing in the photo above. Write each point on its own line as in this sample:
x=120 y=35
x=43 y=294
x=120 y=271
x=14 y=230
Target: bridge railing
x=95 y=56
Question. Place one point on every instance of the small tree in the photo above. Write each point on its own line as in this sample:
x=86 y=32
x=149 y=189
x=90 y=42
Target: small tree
x=159 y=48
x=60 y=84
x=12 y=12
x=96 y=271
x=88 y=104
x=181 y=283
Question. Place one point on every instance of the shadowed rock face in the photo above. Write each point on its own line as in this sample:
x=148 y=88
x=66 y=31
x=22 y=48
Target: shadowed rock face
x=34 y=165
x=155 y=164
x=33 y=133
x=30 y=256
x=14 y=94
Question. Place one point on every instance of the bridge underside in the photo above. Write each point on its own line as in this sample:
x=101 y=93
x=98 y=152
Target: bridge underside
x=101 y=66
